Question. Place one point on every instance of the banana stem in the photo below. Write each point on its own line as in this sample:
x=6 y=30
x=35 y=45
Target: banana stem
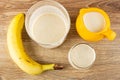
x=58 y=67
x=51 y=67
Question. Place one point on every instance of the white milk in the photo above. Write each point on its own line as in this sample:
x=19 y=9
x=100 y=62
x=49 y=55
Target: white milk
x=81 y=56
x=94 y=21
x=48 y=28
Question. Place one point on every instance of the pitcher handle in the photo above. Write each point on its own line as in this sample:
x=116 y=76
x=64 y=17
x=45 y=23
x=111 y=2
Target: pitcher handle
x=110 y=34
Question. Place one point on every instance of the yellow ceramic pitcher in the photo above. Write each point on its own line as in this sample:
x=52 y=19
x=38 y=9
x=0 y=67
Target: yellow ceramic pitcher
x=94 y=36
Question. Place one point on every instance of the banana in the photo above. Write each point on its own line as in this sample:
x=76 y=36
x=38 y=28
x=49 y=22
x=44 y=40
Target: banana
x=17 y=52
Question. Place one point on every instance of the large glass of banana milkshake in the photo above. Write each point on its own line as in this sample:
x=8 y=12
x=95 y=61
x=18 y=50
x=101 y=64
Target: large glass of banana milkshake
x=47 y=23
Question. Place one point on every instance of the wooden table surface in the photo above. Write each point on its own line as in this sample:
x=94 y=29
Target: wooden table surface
x=106 y=66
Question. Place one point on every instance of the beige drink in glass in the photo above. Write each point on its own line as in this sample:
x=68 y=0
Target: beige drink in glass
x=48 y=28
x=48 y=23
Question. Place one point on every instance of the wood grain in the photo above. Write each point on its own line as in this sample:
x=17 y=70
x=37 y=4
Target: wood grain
x=106 y=66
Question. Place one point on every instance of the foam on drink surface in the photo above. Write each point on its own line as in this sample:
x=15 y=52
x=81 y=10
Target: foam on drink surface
x=48 y=28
